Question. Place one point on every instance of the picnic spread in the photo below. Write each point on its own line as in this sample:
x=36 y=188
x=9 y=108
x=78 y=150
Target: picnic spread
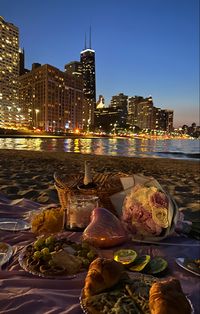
x=111 y=245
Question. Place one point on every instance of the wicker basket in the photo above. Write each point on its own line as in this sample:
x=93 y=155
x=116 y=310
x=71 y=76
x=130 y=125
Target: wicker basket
x=107 y=184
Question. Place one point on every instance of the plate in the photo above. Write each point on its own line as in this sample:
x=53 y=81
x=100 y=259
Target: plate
x=6 y=252
x=12 y=224
x=181 y=261
x=53 y=257
x=133 y=276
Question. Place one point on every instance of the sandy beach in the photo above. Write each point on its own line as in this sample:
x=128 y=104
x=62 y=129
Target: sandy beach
x=29 y=174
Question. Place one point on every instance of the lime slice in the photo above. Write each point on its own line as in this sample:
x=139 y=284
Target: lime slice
x=156 y=265
x=125 y=256
x=140 y=262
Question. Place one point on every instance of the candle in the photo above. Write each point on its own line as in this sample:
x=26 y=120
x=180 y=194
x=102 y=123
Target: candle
x=80 y=209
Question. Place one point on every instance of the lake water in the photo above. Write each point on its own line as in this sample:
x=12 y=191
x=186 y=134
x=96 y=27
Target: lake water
x=170 y=148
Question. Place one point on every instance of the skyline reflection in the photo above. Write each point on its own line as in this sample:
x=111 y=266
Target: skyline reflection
x=107 y=146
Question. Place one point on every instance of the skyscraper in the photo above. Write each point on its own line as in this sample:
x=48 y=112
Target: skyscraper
x=51 y=98
x=87 y=59
x=74 y=68
x=10 y=112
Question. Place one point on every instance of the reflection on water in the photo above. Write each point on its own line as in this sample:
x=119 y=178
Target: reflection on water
x=108 y=146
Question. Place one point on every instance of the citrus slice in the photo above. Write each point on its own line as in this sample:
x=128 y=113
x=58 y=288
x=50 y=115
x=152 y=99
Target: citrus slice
x=140 y=263
x=156 y=265
x=125 y=256
x=160 y=216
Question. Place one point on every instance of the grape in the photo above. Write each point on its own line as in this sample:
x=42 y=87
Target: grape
x=37 y=255
x=46 y=256
x=39 y=244
x=50 y=241
x=45 y=251
x=91 y=255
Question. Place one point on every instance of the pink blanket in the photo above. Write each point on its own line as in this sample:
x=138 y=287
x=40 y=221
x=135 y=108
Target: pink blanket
x=21 y=292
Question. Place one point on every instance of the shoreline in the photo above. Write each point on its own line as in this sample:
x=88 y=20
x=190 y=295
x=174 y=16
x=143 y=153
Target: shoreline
x=29 y=174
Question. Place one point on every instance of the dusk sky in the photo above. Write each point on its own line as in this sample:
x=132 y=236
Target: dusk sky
x=143 y=47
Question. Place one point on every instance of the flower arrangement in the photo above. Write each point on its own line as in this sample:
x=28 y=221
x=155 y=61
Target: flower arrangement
x=147 y=211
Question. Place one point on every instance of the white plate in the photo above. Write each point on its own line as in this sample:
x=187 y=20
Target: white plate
x=6 y=252
x=181 y=261
x=12 y=224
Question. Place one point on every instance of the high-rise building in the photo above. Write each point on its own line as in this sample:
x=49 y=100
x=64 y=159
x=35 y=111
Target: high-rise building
x=163 y=119
x=119 y=104
x=10 y=111
x=53 y=99
x=87 y=59
x=113 y=117
x=140 y=112
x=22 y=69
x=169 y=119
x=136 y=111
x=74 y=68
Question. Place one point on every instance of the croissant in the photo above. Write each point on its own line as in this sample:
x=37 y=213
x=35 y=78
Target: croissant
x=102 y=274
x=167 y=297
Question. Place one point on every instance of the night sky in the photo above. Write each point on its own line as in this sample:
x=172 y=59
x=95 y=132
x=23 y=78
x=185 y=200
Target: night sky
x=143 y=47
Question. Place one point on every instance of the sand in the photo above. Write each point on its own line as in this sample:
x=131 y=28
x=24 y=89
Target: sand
x=27 y=174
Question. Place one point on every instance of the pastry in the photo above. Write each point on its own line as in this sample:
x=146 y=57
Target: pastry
x=102 y=274
x=167 y=297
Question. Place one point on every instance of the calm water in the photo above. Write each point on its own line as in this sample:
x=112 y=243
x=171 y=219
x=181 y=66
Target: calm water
x=171 y=148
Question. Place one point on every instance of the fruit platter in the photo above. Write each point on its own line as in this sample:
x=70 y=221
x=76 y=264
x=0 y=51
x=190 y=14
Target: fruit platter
x=53 y=256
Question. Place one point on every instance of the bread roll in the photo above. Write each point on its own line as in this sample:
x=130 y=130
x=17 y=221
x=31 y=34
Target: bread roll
x=167 y=297
x=102 y=274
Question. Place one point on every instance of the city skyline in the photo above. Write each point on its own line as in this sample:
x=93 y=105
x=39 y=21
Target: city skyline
x=164 y=65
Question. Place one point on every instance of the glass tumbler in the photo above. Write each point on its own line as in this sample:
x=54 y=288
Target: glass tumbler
x=79 y=211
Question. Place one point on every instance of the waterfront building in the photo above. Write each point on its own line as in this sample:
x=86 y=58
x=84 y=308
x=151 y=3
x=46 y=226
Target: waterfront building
x=107 y=119
x=163 y=119
x=140 y=112
x=169 y=119
x=87 y=59
x=113 y=117
x=119 y=100
x=136 y=112
x=11 y=115
x=119 y=104
x=53 y=99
